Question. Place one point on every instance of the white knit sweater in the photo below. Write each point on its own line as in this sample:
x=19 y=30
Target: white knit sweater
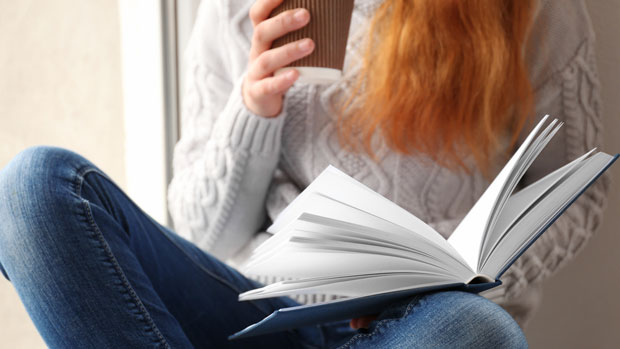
x=233 y=170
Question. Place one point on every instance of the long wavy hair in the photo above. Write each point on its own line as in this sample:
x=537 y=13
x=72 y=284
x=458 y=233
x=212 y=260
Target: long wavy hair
x=442 y=78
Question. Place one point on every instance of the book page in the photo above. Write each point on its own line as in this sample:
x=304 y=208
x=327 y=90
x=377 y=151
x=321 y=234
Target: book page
x=335 y=184
x=328 y=221
x=469 y=234
x=351 y=286
x=309 y=249
x=545 y=211
x=519 y=203
x=297 y=261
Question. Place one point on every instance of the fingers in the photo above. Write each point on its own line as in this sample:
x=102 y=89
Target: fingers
x=261 y=10
x=262 y=92
x=273 y=86
x=270 y=29
x=362 y=322
x=271 y=60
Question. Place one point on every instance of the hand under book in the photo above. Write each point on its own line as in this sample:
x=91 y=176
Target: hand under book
x=362 y=322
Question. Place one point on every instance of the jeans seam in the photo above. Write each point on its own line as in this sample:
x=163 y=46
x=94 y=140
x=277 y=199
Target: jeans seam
x=146 y=317
x=229 y=285
x=383 y=324
x=213 y=275
x=88 y=169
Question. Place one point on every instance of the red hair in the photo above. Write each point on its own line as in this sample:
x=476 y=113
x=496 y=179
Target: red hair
x=442 y=78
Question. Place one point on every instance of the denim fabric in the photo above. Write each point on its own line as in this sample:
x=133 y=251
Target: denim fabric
x=451 y=319
x=94 y=271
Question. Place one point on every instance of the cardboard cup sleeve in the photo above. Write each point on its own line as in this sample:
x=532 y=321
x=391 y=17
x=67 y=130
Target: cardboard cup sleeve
x=329 y=28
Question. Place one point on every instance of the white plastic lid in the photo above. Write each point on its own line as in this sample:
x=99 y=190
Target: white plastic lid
x=314 y=75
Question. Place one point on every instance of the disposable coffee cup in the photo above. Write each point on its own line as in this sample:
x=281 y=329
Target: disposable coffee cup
x=329 y=29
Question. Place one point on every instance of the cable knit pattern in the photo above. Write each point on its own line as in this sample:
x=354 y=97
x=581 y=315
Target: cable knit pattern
x=234 y=170
x=226 y=156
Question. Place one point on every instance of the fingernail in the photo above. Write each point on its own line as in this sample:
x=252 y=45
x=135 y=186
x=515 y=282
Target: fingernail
x=306 y=45
x=300 y=16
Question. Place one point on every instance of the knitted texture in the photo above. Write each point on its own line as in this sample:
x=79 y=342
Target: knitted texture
x=235 y=170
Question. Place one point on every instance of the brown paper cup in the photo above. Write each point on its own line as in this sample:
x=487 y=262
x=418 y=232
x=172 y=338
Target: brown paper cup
x=329 y=28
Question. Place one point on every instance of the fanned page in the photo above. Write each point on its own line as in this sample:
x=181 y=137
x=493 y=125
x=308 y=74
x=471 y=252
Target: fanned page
x=518 y=204
x=543 y=212
x=337 y=185
x=329 y=226
x=469 y=235
x=332 y=247
x=339 y=237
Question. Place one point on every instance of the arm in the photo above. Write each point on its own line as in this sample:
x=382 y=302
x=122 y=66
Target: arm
x=225 y=159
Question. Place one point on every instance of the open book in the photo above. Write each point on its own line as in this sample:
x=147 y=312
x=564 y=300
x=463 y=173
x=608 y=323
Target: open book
x=340 y=237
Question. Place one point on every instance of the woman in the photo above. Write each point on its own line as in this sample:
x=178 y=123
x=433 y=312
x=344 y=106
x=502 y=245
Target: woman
x=94 y=271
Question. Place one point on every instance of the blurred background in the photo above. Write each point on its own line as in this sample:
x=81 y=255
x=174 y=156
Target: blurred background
x=100 y=77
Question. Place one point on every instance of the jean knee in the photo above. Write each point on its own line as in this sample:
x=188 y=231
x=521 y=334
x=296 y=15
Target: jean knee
x=448 y=319
x=36 y=167
x=481 y=323
x=35 y=186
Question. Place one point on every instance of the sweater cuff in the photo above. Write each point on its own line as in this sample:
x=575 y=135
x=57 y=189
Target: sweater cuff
x=239 y=128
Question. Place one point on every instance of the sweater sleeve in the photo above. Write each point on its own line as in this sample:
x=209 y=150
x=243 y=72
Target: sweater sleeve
x=571 y=95
x=226 y=156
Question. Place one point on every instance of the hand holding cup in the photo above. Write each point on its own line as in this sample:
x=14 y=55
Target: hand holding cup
x=263 y=93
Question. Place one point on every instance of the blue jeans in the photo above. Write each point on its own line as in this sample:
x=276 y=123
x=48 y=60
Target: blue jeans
x=94 y=271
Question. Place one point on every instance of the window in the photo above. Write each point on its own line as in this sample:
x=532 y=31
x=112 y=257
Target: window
x=153 y=34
